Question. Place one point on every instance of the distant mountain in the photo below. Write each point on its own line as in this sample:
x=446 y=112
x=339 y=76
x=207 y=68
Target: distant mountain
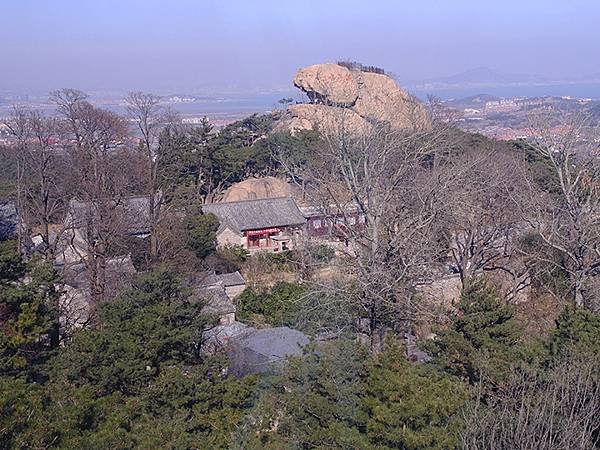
x=594 y=77
x=481 y=76
x=473 y=101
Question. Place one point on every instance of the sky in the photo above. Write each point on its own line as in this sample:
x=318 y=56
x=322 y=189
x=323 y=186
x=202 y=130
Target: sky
x=204 y=46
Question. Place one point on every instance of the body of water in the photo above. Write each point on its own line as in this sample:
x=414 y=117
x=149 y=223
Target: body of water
x=245 y=105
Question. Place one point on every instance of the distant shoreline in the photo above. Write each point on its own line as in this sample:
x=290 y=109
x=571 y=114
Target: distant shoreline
x=576 y=90
x=228 y=109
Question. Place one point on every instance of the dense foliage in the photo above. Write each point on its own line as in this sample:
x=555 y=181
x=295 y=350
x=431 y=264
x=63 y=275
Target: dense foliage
x=202 y=234
x=137 y=381
x=29 y=312
x=275 y=306
x=200 y=164
x=337 y=397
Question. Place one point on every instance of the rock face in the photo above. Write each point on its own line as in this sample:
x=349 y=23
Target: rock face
x=356 y=97
x=381 y=99
x=324 y=117
x=329 y=84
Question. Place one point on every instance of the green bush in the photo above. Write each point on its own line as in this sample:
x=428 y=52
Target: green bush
x=201 y=235
x=322 y=253
x=275 y=305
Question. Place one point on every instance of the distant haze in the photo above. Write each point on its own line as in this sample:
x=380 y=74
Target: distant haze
x=230 y=46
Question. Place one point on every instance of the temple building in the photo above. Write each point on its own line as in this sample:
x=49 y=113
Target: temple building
x=272 y=224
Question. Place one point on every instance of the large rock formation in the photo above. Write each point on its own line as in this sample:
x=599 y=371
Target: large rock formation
x=352 y=96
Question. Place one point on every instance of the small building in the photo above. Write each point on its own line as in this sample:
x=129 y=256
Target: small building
x=333 y=221
x=127 y=216
x=218 y=293
x=218 y=304
x=271 y=224
x=131 y=213
x=233 y=283
x=75 y=302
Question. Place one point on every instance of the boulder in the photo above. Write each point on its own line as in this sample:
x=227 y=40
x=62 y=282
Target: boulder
x=256 y=188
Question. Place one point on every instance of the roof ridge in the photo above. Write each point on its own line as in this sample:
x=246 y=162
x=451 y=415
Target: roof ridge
x=119 y=197
x=249 y=200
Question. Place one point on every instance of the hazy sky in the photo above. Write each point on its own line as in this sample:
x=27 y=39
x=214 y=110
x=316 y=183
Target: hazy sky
x=191 y=45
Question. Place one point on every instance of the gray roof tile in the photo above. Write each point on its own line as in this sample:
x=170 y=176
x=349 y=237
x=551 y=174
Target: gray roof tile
x=132 y=212
x=256 y=214
x=227 y=279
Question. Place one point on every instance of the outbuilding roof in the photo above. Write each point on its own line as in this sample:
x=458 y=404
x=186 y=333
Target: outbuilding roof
x=262 y=350
x=226 y=279
x=217 y=301
x=133 y=213
x=119 y=272
x=256 y=214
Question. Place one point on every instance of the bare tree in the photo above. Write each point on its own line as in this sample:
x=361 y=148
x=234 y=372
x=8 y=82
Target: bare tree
x=567 y=219
x=481 y=221
x=555 y=408
x=382 y=173
x=150 y=120
x=100 y=180
x=18 y=126
x=41 y=200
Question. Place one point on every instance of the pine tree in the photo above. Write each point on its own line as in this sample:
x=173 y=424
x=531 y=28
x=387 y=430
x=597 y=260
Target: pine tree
x=410 y=407
x=28 y=312
x=314 y=403
x=153 y=325
x=577 y=329
x=483 y=338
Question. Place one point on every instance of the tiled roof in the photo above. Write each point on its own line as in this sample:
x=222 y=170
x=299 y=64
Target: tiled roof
x=256 y=214
x=119 y=273
x=329 y=210
x=275 y=343
x=227 y=279
x=217 y=301
x=261 y=350
x=134 y=213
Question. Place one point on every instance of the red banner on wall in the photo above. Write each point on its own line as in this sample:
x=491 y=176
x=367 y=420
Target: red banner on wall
x=263 y=231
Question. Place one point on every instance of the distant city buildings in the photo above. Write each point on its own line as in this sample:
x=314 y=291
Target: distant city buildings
x=508 y=118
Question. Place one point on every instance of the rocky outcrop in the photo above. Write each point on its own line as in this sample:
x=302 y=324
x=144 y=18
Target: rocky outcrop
x=356 y=97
